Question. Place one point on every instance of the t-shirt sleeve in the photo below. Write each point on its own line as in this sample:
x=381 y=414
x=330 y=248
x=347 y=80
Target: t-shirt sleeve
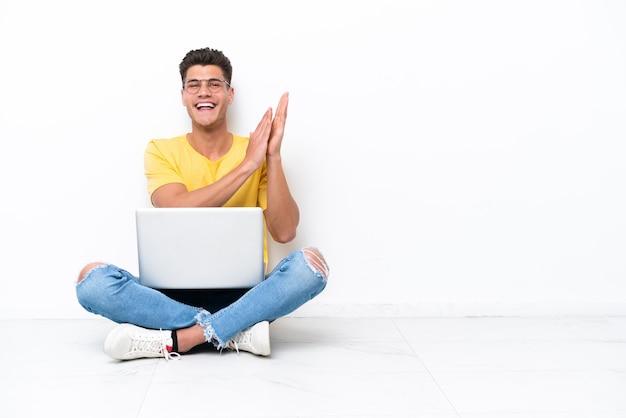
x=158 y=169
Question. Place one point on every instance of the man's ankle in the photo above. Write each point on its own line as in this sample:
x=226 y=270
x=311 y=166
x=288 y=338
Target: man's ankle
x=188 y=338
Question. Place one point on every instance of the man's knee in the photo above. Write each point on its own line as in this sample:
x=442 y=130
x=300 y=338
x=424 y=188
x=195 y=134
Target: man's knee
x=87 y=269
x=316 y=260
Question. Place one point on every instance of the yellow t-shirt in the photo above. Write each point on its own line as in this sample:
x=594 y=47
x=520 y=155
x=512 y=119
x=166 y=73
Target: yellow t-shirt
x=175 y=161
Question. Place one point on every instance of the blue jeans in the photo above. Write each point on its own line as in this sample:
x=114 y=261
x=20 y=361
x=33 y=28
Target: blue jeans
x=116 y=294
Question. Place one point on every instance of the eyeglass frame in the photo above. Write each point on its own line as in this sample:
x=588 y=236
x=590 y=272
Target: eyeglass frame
x=208 y=81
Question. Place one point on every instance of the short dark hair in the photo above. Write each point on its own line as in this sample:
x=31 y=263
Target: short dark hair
x=206 y=56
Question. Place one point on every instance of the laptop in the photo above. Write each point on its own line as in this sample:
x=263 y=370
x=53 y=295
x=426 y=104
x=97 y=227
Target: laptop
x=200 y=248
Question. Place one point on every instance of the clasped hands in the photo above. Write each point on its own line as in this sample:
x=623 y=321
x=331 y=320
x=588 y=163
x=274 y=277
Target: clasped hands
x=267 y=138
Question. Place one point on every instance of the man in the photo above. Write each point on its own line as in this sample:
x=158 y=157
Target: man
x=209 y=166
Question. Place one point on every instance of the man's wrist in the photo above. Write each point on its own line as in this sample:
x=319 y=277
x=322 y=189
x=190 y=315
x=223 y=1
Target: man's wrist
x=274 y=158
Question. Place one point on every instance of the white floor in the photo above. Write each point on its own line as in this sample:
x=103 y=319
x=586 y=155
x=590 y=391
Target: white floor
x=329 y=367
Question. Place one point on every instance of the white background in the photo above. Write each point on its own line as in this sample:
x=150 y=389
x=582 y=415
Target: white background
x=449 y=157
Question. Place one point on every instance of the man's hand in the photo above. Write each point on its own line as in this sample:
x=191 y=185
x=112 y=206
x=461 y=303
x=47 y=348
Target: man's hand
x=278 y=127
x=257 y=146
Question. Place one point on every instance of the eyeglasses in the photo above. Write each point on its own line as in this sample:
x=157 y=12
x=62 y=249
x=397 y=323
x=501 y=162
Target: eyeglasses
x=213 y=84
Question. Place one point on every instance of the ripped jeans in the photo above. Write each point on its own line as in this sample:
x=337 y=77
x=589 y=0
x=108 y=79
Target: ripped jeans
x=116 y=294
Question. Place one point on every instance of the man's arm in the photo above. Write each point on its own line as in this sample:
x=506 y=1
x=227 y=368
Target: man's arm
x=282 y=214
x=213 y=195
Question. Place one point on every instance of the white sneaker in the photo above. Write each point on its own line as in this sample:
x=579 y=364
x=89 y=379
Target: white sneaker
x=255 y=340
x=128 y=342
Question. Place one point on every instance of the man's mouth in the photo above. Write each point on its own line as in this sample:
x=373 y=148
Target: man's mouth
x=200 y=106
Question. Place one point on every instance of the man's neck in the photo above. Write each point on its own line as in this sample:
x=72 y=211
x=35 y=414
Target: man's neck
x=213 y=144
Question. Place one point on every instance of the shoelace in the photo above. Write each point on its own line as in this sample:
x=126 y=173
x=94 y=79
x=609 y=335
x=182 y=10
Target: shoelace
x=170 y=355
x=151 y=345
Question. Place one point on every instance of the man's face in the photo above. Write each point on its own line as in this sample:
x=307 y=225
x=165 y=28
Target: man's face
x=206 y=96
